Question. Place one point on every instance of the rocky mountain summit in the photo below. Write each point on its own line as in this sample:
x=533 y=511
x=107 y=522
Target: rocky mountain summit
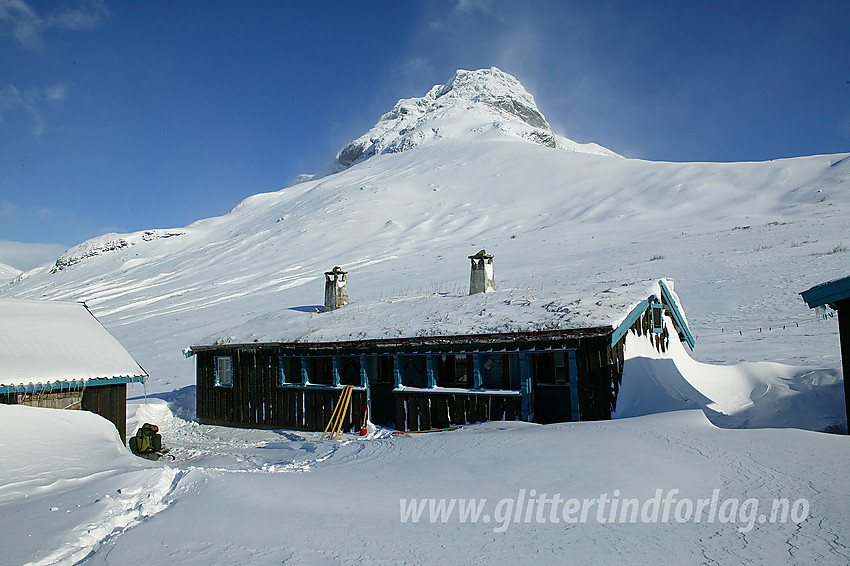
x=472 y=103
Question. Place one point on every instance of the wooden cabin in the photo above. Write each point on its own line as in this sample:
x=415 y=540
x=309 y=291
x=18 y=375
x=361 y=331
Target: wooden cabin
x=57 y=355
x=425 y=382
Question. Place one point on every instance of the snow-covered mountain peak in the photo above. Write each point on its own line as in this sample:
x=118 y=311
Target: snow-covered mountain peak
x=471 y=104
x=496 y=89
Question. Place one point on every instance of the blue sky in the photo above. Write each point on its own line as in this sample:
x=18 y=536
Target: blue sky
x=117 y=117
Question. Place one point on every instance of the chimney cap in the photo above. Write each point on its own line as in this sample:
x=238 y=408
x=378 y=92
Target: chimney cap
x=481 y=255
x=336 y=271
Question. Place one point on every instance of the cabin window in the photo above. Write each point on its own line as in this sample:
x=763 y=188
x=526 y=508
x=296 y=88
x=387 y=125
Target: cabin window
x=381 y=370
x=413 y=371
x=349 y=371
x=289 y=370
x=657 y=318
x=321 y=371
x=562 y=376
x=513 y=371
x=495 y=371
x=224 y=371
x=454 y=370
x=551 y=368
x=281 y=370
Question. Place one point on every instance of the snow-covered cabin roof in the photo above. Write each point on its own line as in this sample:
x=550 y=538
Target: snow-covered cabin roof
x=827 y=293
x=596 y=305
x=47 y=341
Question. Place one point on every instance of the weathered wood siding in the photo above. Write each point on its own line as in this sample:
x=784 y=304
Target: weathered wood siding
x=434 y=409
x=110 y=402
x=600 y=373
x=69 y=399
x=256 y=400
x=643 y=327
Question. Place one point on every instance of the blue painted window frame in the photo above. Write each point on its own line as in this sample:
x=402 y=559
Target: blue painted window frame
x=281 y=371
x=657 y=318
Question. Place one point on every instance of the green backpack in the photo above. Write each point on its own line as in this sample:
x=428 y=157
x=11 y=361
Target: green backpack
x=147 y=440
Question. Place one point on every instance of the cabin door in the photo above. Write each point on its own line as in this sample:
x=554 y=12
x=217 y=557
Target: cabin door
x=553 y=401
x=381 y=391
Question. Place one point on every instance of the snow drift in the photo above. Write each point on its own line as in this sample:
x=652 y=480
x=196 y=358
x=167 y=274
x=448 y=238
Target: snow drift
x=67 y=485
x=747 y=395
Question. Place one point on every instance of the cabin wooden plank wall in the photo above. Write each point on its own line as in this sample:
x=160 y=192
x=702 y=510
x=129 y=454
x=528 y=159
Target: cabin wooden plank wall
x=110 y=402
x=256 y=400
x=68 y=399
x=52 y=400
x=600 y=373
x=600 y=368
x=434 y=409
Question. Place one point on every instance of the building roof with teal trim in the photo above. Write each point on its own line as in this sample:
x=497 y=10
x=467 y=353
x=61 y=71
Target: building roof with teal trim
x=62 y=343
x=827 y=293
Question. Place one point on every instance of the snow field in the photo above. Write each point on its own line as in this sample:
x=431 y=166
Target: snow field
x=264 y=497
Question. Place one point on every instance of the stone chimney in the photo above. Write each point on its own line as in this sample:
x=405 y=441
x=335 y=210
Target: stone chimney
x=336 y=289
x=481 y=278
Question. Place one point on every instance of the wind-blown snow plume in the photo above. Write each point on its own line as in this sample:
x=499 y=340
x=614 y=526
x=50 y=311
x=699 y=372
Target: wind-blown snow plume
x=471 y=103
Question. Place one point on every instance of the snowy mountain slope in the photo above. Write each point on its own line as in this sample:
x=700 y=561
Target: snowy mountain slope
x=739 y=239
x=7 y=272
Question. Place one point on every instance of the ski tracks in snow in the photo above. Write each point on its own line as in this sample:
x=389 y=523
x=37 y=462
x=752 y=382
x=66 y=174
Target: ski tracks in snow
x=742 y=474
x=119 y=509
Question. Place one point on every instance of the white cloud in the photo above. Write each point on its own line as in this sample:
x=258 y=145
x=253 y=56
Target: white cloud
x=31 y=101
x=55 y=93
x=81 y=18
x=27 y=27
x=473 y=7
x=25 y=256
x=9 y=208
x=843 y=126
x=43 y=212
x=22 y=23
